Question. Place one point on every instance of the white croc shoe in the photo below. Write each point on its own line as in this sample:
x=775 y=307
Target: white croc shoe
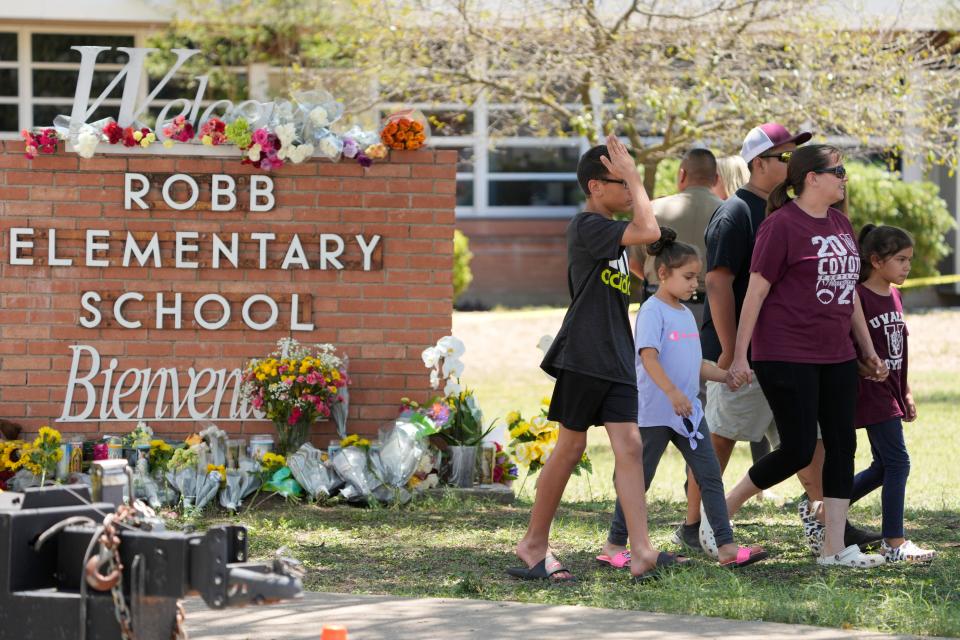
x=852 y=557
x=707 y=540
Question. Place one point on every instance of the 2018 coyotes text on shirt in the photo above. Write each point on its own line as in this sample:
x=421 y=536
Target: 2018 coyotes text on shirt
x=812 y=265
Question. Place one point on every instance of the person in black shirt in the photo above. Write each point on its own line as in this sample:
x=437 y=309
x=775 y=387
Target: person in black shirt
x=593 y=360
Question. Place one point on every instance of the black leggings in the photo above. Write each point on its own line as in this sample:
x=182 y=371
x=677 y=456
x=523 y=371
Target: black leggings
x=800 y=396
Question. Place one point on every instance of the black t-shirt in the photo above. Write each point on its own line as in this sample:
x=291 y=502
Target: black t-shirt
x=595 y=338
x=729 y=238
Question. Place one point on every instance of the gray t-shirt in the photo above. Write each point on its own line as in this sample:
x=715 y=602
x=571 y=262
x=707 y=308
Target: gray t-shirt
x=595 y=337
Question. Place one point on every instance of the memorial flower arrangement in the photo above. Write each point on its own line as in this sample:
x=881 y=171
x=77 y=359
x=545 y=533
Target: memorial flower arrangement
x=404 y=130
x=42 y=141
x=213 y=132
x=505 y=469
x=532 y=441
x=160 y=454
x=140 y=436
x=268 y=135
x=355 y=441
x=179 y=129
x=41 y=456
x=294 y=387
x=456 y=414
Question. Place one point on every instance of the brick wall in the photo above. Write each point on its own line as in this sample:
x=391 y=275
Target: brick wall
x=381 y=318
x=517 y=262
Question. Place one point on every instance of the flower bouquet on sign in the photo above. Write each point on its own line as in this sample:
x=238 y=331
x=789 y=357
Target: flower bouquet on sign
x=294 y=387
x=405 y=130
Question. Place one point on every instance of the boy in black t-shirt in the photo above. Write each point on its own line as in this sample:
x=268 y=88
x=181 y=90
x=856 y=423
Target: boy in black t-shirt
x=593 y=359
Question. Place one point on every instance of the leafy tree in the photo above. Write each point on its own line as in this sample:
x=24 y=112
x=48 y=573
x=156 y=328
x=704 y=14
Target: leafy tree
x=668 y=75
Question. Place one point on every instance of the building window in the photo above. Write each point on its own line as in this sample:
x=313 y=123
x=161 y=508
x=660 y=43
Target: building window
x=9 y=83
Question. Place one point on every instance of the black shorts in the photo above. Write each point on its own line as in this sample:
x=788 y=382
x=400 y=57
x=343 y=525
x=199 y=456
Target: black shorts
x=580 y=401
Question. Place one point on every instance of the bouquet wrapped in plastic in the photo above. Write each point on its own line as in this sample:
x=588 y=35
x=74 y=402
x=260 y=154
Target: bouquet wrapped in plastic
x=240 y=483
x=216 y=440
x=351 y=464
x=404 y=443
x=313 y=474
x=208 y=484
x=144 y=486
x=184 y=481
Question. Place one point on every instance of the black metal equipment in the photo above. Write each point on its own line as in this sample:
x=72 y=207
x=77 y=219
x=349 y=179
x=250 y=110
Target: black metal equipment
x=53 y=585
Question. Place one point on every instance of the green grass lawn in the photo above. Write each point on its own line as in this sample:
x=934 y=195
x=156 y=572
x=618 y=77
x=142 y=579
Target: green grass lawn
x=452 y=548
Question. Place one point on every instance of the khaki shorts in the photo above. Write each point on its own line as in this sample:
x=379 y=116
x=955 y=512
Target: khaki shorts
x=742 y=415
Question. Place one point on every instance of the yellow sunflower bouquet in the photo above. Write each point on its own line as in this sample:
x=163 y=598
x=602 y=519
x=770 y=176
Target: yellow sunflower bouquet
x=532 y=441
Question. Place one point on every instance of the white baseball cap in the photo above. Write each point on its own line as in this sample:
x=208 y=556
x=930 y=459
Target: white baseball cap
x=768 y=136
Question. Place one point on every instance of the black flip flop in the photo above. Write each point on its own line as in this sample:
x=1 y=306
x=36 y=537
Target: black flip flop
x=664 y=560
x=543 y=570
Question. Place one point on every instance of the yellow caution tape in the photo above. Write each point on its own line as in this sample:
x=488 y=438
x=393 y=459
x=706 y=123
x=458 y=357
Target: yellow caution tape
x=930 y=282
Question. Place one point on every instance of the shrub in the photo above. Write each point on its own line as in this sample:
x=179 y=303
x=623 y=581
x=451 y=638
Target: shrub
x=879 y=196
x=462 y=276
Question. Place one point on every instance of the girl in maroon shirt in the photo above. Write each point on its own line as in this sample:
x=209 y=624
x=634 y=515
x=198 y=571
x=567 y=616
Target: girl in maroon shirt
x=883 y=406
x=800 y=307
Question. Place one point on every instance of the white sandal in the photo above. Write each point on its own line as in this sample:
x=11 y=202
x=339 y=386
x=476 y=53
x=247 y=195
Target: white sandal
x=852 y=557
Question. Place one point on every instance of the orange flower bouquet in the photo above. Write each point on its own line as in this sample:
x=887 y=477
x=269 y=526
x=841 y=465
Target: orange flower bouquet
x=405 y=130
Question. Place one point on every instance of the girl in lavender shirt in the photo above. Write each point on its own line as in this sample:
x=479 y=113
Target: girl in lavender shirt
x=800 y=308
x=883 y=406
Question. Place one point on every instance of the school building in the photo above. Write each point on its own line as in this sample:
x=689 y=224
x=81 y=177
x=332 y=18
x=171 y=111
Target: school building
x=514 y=196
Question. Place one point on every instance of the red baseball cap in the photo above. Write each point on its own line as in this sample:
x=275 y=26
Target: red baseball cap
x=768 y=136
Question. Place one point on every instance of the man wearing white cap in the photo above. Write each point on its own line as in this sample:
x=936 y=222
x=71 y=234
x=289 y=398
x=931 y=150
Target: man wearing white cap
x=729 y=238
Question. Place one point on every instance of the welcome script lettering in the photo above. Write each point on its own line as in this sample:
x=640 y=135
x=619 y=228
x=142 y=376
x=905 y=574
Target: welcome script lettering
x=108 y=393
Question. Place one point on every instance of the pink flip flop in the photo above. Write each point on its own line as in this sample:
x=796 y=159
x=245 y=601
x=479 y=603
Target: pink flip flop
x=745 y=556
x=618 y=561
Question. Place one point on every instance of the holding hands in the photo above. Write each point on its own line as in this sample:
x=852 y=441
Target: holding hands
x=873 y=368
x=740 y=371
x=736 y=380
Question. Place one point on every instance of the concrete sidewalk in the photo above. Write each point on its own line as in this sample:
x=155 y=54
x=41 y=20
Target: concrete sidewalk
x=390 y=618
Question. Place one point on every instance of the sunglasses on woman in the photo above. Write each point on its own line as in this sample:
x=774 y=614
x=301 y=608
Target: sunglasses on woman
x=839 y=171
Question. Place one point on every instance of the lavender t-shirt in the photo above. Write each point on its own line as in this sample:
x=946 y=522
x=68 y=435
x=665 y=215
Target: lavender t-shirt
x=673 y=333
x=881 y=401
x=812 y=265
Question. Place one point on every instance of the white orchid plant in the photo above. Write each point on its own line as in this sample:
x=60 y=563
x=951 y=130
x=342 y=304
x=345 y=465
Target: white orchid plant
x=462 y=425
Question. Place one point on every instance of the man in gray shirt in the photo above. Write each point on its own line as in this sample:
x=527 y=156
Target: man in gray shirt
x=688 y=213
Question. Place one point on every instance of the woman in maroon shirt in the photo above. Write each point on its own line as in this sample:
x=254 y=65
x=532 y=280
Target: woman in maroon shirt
x=883 y=406
x=800 y=307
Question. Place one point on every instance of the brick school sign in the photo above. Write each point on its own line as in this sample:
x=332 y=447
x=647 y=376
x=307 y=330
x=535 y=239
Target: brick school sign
x=132 y=286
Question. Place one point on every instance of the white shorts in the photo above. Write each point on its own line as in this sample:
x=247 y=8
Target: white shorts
x=742 y=415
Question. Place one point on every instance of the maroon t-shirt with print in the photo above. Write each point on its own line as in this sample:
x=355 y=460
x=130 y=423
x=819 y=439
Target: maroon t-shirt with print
x=812 y=265
x=881 y=401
